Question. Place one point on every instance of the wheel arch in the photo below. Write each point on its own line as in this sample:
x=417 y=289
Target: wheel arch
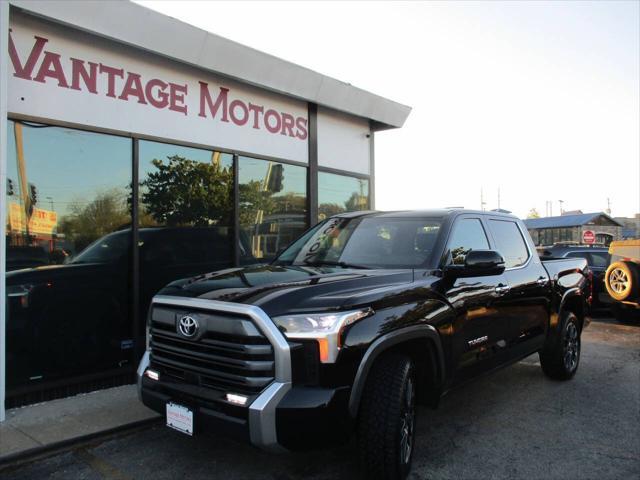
x=422 y=343
x=573 y=301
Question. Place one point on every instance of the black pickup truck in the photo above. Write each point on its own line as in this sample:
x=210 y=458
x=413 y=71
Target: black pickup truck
x=364 y=316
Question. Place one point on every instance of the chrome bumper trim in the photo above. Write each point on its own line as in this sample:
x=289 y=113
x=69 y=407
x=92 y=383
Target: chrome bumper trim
x=262 y=411
x=142 y=366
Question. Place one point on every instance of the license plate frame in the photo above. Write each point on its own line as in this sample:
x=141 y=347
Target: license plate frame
x=179 y=418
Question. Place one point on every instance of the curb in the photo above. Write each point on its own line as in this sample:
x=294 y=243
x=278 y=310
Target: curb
x=17 y=459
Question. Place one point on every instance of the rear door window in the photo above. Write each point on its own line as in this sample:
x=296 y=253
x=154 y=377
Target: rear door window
x=600 y=259
x=594 y=259
x=510 y=242
x=468 y=234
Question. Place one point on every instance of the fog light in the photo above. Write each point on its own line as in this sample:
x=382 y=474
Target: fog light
x=237 y=399
x=152 y=374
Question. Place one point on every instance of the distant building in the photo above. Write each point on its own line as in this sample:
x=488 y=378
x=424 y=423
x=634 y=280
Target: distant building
x=570 y=228
x=630 y=226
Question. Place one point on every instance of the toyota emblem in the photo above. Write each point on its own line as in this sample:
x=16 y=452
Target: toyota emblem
x=188 y=326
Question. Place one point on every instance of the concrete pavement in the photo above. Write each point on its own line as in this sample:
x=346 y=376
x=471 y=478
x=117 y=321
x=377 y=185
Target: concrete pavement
x=33 y=427
x=514 y=424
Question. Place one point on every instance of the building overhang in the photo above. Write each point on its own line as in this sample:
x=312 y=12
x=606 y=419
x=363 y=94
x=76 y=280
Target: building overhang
x=142 y=28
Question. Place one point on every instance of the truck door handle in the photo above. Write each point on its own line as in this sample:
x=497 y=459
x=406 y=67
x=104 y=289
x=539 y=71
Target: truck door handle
x=541 y=281
x=502 y=289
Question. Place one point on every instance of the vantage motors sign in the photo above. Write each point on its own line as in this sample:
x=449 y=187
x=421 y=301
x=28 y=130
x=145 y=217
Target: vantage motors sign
x=73 y=77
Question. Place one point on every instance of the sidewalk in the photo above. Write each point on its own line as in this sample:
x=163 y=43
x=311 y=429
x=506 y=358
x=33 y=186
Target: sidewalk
x=36 y=427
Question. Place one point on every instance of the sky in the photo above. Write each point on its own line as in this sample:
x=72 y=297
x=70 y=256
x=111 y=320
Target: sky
x=539 y=101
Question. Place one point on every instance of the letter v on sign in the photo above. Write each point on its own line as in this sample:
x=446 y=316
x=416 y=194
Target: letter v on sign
x=25 y=71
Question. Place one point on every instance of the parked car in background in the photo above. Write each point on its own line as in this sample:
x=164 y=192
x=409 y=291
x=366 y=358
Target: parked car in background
x=75 y=318
x=622 y=278
x=19 y=257
x=597 y=257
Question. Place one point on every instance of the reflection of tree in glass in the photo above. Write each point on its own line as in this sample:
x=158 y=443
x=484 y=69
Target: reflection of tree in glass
x=356 y=202
x=187 y=192
x=253 y=199
x=326 y=210
x=104 y=214
x=459 y=254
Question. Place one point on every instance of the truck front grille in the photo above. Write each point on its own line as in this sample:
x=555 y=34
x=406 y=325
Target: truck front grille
x=229 y=354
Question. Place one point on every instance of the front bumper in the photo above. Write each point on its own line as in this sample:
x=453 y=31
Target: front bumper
x=281 y=418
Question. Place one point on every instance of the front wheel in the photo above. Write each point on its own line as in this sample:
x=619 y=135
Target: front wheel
x=386 y=423
x=561 y=355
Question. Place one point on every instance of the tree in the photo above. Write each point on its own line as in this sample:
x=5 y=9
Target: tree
x=356 y=202
x=533 y=213
x=187 y=192
x=253 y=200
x=326 y=210
x=87 y=222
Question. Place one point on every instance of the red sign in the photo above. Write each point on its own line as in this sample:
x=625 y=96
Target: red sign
x=588 y=237
x=117 y=83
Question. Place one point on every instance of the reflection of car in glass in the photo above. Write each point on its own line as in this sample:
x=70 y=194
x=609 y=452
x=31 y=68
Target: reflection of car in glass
x=19 y=257
x=357 y=320
x=597 y=258
x=622 y=278
x=75 y=318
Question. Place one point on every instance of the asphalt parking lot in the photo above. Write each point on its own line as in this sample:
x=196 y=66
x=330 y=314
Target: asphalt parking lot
x=513 y=424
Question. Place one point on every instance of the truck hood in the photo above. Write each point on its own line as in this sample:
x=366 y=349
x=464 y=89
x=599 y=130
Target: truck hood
x=287 y=289
x=57 y=272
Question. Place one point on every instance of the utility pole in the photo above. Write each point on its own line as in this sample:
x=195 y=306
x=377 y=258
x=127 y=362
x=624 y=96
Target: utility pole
x=608 y=206
x=22 y=178
x=482 y=202
x=561 y=202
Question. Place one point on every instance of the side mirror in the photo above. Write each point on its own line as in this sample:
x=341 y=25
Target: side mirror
x=478 y=263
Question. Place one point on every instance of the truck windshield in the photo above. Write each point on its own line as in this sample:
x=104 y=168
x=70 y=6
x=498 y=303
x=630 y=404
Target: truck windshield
x=366 y=242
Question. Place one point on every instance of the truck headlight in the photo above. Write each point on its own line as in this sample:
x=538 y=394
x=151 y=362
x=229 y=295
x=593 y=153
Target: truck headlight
x=326 y=328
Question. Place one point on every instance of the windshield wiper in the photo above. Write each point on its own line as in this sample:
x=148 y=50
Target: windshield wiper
x=331 y=263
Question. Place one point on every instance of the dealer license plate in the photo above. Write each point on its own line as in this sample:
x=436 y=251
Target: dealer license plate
x=180 y=418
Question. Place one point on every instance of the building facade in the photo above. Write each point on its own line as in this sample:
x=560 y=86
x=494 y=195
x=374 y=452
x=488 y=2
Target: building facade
x=140 y=150
x=548 y=231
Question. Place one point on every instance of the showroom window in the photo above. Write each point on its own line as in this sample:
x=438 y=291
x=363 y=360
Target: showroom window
x=185 y=214
x=68 y=209
x=272 y=207
x=341 y=193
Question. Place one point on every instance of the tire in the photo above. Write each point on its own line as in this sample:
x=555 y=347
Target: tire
x=621 y=281
x=561 y=356
x=386 y=423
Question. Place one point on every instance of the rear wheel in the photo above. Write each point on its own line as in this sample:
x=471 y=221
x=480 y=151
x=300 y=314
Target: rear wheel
x=621 y=281
x=386 y=424
x=561 y=356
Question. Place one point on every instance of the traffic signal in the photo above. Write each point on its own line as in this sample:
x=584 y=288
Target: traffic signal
x=275 y=179
x=33 y=193
x=10 y=190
